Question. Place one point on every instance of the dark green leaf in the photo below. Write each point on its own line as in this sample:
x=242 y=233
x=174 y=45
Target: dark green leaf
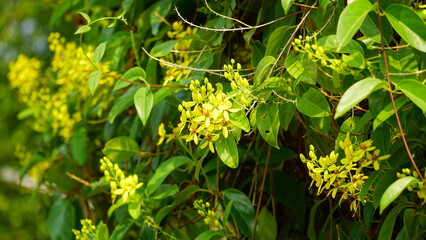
x=356 y=93
x=121 y=229
x=159 y=10
x=208 y=235
x=267 y=225
x=313 y=104
x=263 y=69
x=268 y=123
x=350 y=21
x=78 y=145
x=388 y=111
x=163 y=171
x=394 y=190
x=120 y=148
x=123 y=103
x=277 y=40
x=382 y=184
x=242 y=210
x=386 y=231
x=370 y=181
x=60 y=221
x=227 y=150
x=408 y=25
x=144 y=101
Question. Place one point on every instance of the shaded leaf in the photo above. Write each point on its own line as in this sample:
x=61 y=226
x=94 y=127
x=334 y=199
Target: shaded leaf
x=60 y=220
x=78 y=145
x=163 y=49
x=268 y=123
x=242 y=210
x=267 y=225
x=386 y=231
x=120 y=148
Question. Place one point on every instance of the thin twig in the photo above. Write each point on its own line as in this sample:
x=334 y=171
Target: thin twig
x=407 y=148
x=226 y=17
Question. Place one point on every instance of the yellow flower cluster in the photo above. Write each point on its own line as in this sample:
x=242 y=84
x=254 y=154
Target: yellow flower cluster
x=56 y=104
x=180 y=54
x=87 y=232
x=316 y=53
x=203 y=209
x=119 y=183
x=419 y=187
x=207 y=115
x=240 y=85
x=345 y=175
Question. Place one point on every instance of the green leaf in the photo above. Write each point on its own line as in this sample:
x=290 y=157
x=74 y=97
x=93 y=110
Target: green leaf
x=356 y=93
x=227 y=150
x=61 y=220
x=313 y=104
x=267 y=225
x=94 y=80
x=102 y=231
x=401 y=62
x=268 y=122
x=277 y=40
x=83 y=29
x=163 y=171
x=134 y=209
x=415 y=91
x=408 y=24
x=160 y=8
x=394 y=190
x=121 y=229
x=120 y=148
x=370 y=181
x=240 y=120
x=301 y=68
x=133 y=74
x=144 y=101
x=123 y=103
x=263 y=70
x=286 y=114
x=163 y=49
x=388 y=111
x=382 y=184
x=99 y=53
x=386 y=231
x=85 y=16
x=166 y=190
x=286 y=4
x=242 y=210
x=78 y=146
x=208 y=235
x=258 y=51
x=227 y=211
x=59 y=10
x=350 y=21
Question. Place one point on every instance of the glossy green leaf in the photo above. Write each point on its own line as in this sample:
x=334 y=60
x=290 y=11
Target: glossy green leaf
x=313 y=104
x=227 y=150
x=94 y=80
x=163 y=49
x=388 y=111
x=394 y=190
x=78 y=146
x=286 y=4
x=263 y=69
x=415 y=91
x=240 y=120
x=120 y=148
x=133 y=74
x=61 y=220
x=163 y=171
x=242 y=210
x=144 y=101
x=382 y=184
x=277 y=40
x=350 y=21
x=356 y=93
x=268 y=123
x=408 y=24
x=401 y=65
x=387 y=228
x=267 y=225
x=301 y=68
x=99 y=53
x=83 y=29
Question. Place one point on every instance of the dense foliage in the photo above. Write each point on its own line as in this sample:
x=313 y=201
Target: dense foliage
x=229 y=119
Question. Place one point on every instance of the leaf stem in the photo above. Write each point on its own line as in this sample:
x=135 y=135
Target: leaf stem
x=385 y=59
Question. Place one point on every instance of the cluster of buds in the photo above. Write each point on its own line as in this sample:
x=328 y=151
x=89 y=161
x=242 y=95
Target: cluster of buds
x=119 y=183
x=317 y=53
x=418 y=186
x=204 y=210
x=87 y=232
x=240 y=85
x=207 y=115
x=345 y=175
x=180 y=54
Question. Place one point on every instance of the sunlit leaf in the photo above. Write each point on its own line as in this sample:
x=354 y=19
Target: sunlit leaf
x=163 y=49
x=99 y=52
x=120 y=148
x=415 y=91
x=268 y=122
x=394 y=190
x=313 y=104
x=94 y=79
x=144 y=101
x=227 y=150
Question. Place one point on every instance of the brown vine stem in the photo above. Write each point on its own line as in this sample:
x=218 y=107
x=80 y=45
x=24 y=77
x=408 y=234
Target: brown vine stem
x=407 y=148
x=262 y=188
